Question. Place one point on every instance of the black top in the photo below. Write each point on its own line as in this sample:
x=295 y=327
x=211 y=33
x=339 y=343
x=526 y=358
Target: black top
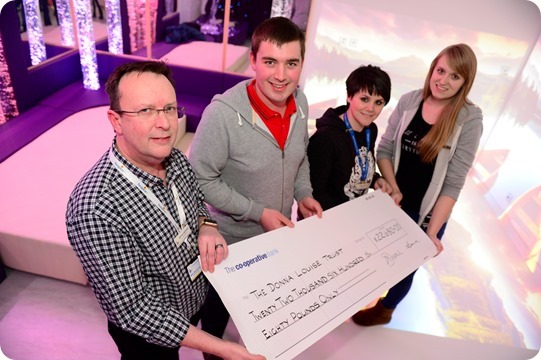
x=332 y=157
x=413 y=176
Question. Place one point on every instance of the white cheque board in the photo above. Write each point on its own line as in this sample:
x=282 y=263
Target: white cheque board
x=288 y=288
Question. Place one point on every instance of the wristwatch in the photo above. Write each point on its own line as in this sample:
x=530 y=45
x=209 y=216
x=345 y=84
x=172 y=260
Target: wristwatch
x=209 y=222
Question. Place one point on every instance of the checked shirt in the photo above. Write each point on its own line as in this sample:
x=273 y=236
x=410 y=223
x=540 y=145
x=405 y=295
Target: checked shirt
x=127 y=249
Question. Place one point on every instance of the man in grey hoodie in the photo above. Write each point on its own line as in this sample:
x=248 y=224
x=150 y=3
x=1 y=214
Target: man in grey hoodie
x=249 y=150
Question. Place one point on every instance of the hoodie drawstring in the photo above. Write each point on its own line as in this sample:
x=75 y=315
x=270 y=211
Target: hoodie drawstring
x=302 y=112
x=240 y=119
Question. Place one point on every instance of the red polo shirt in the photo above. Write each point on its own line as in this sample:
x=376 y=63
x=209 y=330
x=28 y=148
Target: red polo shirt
x=277 y=125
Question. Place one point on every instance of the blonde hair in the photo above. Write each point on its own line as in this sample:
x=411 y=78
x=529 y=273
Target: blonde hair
x=461 y=59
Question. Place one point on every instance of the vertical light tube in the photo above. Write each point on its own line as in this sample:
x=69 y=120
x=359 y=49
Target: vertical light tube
x=114 y=26
x=138 y=29
x=66 y=25
x=148 y=32
x=34 y=31
x=225 y=38
x=134 y=16
x=87 y=44
x=282 y=8
x=169 y=6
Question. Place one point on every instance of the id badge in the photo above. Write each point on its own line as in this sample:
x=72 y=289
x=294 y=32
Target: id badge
x=183 y=235
x=194 y=269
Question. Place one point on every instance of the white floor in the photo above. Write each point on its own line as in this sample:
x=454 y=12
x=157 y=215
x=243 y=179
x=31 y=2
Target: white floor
x=46 y=319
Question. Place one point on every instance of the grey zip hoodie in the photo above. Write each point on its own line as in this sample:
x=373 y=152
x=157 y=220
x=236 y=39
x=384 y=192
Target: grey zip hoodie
x=240 y=167
x=453 y=161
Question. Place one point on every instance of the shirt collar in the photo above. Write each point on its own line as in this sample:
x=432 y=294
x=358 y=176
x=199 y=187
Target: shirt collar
x=147 y=178
x=263 y=110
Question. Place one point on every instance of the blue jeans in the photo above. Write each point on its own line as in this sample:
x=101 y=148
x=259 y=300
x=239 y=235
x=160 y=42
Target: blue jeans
x=398 y=292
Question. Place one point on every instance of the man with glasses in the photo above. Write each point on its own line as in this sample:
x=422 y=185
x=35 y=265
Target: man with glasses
x=137 y=221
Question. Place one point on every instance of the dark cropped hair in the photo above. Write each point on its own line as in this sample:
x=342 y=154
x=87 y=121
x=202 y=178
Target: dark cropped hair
x=369 y=78
x=278 y=30
x=156 y=67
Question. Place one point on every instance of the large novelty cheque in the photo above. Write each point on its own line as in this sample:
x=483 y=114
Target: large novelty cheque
x=288 y=288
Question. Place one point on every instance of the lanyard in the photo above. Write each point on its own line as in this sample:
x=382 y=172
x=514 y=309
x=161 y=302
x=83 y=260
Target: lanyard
x=364 y=164
x=149 y=194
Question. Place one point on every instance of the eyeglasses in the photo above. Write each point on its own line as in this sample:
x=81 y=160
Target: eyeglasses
x=170 y=112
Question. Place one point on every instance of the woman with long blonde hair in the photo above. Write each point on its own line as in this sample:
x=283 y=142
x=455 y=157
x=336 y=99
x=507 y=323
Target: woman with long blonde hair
x=425 y=154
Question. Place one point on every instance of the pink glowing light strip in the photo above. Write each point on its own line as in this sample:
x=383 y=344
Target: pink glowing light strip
x=136 y=18
x=34 y=31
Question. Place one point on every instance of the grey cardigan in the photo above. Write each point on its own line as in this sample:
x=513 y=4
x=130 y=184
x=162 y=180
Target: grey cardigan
x=240 y=167
x=454 y=160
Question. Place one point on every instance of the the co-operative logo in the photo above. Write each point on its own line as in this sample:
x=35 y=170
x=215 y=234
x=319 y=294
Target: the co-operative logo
x=250 y=262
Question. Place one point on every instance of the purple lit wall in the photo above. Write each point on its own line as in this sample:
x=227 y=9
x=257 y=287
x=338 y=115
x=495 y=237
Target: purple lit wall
x=46 y=74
